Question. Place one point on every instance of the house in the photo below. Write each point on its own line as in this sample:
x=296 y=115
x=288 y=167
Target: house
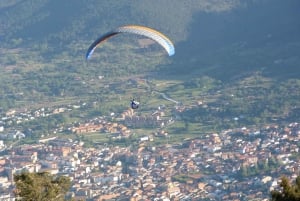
x=15 y=135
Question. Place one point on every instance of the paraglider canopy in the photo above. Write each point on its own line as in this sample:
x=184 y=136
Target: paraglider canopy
x=153 y=34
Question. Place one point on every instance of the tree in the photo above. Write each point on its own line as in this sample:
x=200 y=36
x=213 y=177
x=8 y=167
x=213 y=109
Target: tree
x=41 y=186
x=289 y=192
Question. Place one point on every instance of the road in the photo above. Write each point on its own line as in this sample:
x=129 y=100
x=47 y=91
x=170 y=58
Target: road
x=166 y=97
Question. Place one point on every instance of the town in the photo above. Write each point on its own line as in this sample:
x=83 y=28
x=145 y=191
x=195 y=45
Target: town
x=235 y=164
x=217 y=121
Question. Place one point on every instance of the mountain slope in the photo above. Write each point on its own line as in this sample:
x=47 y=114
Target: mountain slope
x=259 y=36
x=216 y=38
x=62 y=18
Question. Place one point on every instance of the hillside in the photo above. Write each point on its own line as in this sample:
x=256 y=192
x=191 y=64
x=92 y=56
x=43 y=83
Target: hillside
x=43 y=44
x=258 y=36
x=211 y=37
x=63 y=20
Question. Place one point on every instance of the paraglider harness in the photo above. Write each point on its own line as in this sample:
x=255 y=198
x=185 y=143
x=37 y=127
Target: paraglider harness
x=134 y=104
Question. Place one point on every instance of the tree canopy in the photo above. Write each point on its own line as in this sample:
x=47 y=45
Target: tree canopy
x=41 y=186
x=289 y=192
